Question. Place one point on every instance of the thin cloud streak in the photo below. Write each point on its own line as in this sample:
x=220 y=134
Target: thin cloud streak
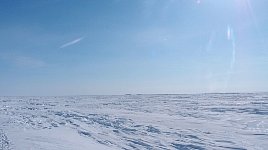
x=210 y=41
x=23 y=61
x=72 y=42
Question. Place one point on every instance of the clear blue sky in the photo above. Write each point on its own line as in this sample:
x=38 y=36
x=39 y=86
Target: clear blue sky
x=67 y=47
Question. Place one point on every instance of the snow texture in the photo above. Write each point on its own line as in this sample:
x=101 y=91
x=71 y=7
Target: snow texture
x=200 y=121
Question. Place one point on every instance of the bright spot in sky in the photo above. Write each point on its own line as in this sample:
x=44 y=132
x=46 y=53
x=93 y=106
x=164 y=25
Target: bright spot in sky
x=229 y=32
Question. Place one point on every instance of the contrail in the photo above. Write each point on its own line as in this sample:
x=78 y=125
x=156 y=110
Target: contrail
x=72 y=42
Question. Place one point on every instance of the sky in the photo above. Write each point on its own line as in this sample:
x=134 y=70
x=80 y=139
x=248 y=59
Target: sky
x=100 y=47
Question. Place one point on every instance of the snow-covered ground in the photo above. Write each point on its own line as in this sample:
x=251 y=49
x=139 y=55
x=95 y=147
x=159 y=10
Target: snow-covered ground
x=200 y=121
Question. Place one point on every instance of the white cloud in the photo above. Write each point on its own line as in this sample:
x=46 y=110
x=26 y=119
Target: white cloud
x=72 y=42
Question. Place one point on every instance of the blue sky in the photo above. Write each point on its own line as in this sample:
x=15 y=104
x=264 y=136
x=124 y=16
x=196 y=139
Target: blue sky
x=71 y=47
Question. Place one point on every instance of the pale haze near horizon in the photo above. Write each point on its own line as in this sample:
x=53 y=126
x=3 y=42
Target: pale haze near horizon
x=142 y=46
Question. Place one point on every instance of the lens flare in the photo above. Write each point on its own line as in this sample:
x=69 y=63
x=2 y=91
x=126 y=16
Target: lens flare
x=231 y=37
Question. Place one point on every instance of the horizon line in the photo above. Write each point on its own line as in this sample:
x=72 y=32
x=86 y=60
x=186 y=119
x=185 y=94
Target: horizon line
x=129 y=94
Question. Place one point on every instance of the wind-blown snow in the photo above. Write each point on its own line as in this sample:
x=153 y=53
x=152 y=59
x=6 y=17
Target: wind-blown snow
x=200 y=121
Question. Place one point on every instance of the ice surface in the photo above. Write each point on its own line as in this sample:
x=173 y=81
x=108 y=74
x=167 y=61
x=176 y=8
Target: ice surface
x=200 y=121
